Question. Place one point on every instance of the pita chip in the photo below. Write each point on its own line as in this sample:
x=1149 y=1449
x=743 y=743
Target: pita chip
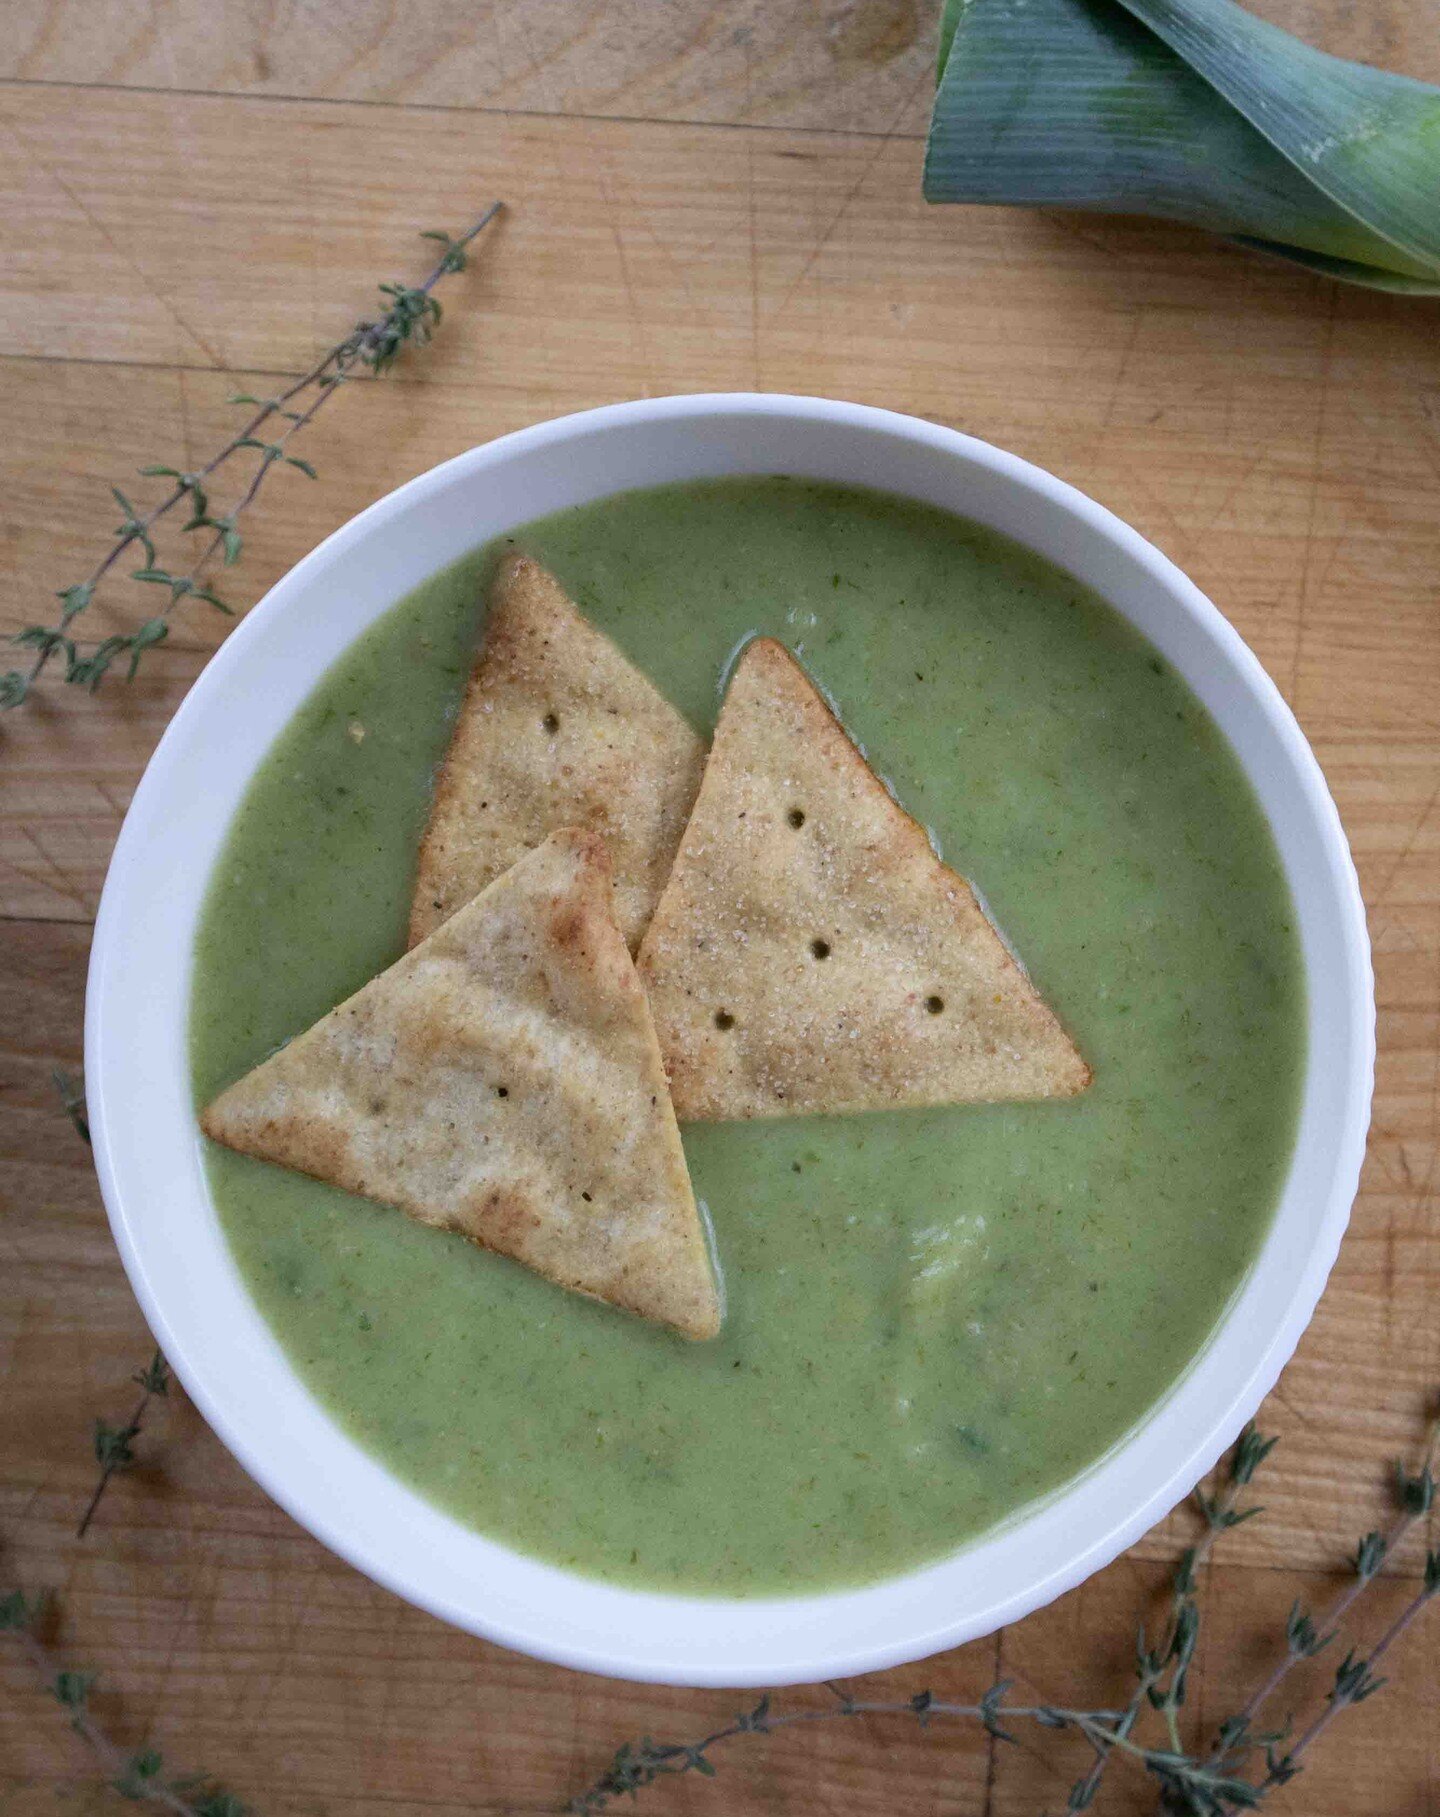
x=503 y=1080
x=557 y=728
x=810 y=952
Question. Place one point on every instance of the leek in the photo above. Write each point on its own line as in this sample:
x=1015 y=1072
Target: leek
x=1195 y=111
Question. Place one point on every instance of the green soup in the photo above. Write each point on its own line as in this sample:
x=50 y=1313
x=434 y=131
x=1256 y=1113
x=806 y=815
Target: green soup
x=933 y=1317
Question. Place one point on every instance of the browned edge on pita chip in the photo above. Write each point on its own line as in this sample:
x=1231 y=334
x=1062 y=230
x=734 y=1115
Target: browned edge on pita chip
x=503 y=1080
x=810 y=952
x=557 y=727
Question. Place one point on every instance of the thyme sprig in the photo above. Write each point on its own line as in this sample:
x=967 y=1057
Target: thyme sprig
x=139 y=1775
x=1191 y=1784
x=71 y=1087
x=639 y=1764
x=115 y=1445
x=1162 y=1673
x=410 y=317
x=1306 y=1636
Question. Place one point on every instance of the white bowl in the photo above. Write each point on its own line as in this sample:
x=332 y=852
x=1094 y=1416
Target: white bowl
x=148 y=1150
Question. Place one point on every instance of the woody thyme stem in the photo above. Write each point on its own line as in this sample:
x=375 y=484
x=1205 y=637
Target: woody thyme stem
x=411 y=315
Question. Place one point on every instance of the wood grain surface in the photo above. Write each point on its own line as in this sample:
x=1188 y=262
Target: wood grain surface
x=196 y=196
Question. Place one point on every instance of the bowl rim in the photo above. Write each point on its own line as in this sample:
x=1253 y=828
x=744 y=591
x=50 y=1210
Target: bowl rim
x=611 y=1646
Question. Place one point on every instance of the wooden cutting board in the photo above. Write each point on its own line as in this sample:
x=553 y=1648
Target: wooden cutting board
x=706 y=194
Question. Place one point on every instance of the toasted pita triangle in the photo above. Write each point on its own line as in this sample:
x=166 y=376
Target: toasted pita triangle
x=557 y=728
x=830 y=963
x=503 y=1080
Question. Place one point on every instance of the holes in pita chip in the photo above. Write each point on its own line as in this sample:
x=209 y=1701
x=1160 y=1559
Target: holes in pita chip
x=934 y=1005
x=796 y=817
x=502 y=1091
x=550 y=723
x=819 y=949
x=724 y=1020
x=587 y=1198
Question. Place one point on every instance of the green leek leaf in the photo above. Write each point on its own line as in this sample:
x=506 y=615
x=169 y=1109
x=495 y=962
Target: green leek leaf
x=1193 y=111
x=1371 y=277
x=1368 y=139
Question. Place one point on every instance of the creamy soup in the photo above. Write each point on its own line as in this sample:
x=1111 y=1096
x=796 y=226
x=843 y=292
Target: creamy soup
x=933 y=1318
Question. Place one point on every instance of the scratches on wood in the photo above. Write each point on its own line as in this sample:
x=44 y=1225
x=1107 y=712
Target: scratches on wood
x=1280 y=443
x=825 y=63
